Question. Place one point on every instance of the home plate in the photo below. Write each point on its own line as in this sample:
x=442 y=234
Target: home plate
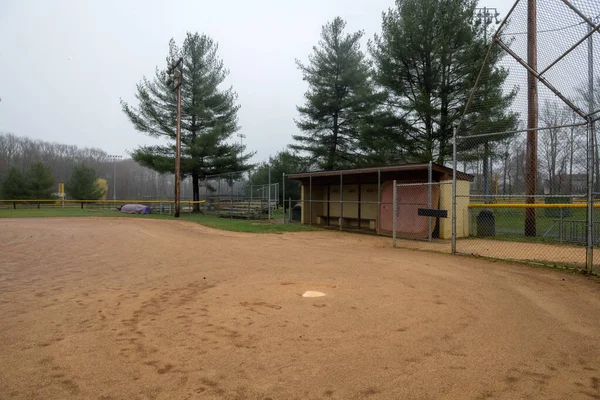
x=310 y=293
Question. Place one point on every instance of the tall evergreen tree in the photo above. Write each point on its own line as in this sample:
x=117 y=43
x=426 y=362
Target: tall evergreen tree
x=427 y=58
x=339 y=97
x=39 y=181
x=83 y=184
x=14 y=186
x=208 y=116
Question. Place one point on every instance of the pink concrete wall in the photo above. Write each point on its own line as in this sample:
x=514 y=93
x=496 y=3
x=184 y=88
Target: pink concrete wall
x=409 y=199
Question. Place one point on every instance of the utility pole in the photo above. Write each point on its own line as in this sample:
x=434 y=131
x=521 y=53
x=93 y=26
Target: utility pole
x=532 y=120
x=114 y=159
x=175 y=78
x=485 y=16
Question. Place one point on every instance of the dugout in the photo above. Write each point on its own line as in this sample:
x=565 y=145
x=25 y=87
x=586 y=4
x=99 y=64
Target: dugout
x=361 y=199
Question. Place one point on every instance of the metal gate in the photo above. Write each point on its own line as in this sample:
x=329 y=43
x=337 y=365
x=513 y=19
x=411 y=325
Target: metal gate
x=418 y=212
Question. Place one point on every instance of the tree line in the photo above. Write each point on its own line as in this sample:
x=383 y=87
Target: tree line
x=133 y=181
x=397 y=101
x=37 y=183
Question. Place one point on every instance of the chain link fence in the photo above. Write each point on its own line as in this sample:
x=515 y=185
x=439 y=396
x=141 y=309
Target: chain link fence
x=239 y=195
x=528 y=139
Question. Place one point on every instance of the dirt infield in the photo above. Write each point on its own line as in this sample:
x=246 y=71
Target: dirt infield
x=150 y=309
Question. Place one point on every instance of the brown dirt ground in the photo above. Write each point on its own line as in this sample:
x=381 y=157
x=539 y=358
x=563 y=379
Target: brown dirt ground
x=149 y=309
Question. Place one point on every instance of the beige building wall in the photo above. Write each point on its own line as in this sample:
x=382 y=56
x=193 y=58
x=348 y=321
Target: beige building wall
x=334 y=205
x=350 y=201
x=462 y=209
x=318 y=207
x=368 y=193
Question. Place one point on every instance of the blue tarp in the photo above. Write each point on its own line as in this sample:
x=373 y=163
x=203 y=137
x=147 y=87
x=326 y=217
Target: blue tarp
x=135 y=209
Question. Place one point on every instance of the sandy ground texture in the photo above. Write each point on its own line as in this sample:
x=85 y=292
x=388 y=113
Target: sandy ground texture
x=149 y=309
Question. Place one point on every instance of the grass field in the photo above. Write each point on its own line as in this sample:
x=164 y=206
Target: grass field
x=238 y=225
x=514 y=218
x=147 y=308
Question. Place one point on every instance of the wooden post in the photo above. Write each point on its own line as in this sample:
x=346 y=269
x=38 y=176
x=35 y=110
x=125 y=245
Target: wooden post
x=178 y=153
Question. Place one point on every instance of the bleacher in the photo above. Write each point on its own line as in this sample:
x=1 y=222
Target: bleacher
x=249 y=209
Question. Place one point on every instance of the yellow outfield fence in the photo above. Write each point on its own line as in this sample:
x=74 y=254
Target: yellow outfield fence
x=238 y=208
x=102 y=201
x=161 y=205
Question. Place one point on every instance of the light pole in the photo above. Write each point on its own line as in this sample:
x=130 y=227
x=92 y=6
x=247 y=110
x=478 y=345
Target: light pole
x=175 y=79
x=114 y=159
x=242 y=137
x=486 y=16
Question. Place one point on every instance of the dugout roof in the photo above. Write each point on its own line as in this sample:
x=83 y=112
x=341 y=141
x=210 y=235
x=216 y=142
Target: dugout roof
x=404 y=172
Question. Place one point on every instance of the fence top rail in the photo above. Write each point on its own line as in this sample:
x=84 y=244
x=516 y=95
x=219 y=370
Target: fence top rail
x=524 y=205
x=225 y=174
x=462 y=136
x=425 y=183
x=98 y=201
x=524 y=195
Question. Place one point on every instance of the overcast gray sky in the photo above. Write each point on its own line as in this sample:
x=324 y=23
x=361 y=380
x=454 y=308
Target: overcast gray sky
x=65 y=64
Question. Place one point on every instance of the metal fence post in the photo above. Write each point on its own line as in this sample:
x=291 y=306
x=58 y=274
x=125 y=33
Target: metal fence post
x=231 y=196
x=249 y=212
x=429 y=196
x=206 y=193
x=341 y=201
x=309 y=199
x=378 y=200
x=269 y=195
x=394 y=213
x=290 y=210
x=560 y=227
x=454 y=194
x=590 y=199
x=218 y=195
x=283 y=197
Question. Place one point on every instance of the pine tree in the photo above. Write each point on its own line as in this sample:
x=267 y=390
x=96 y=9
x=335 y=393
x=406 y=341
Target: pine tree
x=83 y=184
x=208 y=116
x=427 y=58
x=339 y=97
x=40 y=181
x=14 y=186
